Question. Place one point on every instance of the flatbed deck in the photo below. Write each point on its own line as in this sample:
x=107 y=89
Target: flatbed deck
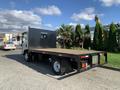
x=65 y=51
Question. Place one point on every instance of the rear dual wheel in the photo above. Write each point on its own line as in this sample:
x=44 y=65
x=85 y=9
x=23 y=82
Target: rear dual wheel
x=56 y=66
x=60 y=66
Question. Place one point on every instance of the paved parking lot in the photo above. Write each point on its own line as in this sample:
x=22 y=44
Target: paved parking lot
x=16 y=74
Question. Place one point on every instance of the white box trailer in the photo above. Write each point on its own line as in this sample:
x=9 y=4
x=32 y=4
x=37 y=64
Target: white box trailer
x=39 y=44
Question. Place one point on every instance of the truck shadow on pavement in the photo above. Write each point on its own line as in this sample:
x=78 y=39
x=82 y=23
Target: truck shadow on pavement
x=39 y=66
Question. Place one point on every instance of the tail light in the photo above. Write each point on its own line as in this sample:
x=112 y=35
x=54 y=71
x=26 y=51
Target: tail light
x=84 y=65
x=83 y=57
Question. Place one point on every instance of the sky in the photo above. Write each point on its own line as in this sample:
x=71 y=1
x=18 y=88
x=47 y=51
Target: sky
x=17 y=15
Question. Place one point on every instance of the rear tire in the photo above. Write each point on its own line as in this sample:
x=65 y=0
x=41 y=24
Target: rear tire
x=60 y=66
x=56 y=67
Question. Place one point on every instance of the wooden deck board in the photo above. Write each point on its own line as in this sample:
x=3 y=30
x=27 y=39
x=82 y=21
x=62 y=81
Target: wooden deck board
x=66 y=51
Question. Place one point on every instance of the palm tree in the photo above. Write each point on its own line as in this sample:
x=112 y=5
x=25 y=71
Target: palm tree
x=65 y=36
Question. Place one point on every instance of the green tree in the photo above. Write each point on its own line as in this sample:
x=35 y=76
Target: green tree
x=98 y=35
x=112 y=42
x=73 y=39
x=87 y=37
x=105 y=39
x=78 y=36
x=65 y=36
x=95 y=38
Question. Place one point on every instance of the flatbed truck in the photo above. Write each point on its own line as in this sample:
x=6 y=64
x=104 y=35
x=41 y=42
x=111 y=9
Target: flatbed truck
x=41 y=44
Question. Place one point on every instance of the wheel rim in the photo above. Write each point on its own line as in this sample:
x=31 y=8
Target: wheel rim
x=26 y=56
x=56 y=66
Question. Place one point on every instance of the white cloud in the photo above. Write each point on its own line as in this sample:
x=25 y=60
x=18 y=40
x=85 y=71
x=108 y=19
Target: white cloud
x=74 y=24
x=86 y=14
x=18 y=19
x=110 y=2
x=82 y=25
x=50 y=10
x=48 y=25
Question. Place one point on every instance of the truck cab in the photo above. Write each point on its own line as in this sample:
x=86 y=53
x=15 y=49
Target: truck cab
x=24 y=43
